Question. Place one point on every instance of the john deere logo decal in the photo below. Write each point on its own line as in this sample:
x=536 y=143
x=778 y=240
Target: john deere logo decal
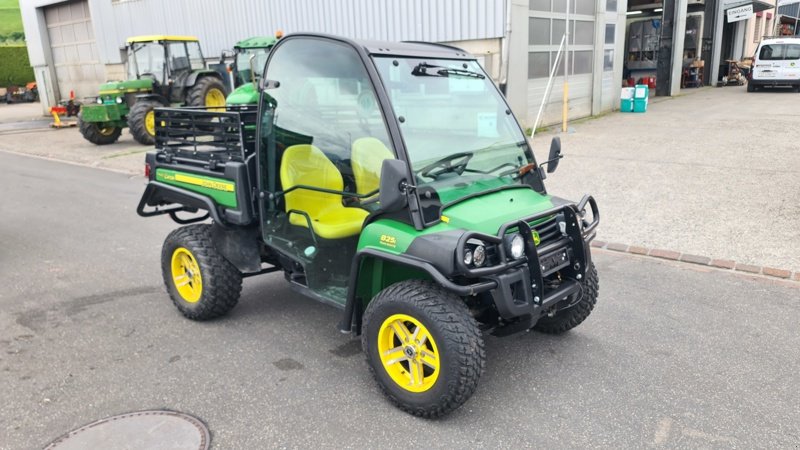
x=536 y=238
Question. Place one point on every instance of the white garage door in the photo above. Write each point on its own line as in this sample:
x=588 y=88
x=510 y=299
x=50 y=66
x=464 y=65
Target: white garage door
x=75 y=58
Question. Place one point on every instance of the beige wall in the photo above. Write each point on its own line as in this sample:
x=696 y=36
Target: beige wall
x=766 y=27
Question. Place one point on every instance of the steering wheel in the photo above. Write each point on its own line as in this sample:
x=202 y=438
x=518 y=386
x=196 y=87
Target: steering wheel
x=456 y=162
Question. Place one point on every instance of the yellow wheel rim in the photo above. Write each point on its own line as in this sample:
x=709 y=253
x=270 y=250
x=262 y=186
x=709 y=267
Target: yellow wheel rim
x=186 y=275
x=215 y=97
x=107 y=131
x=150 y=122
x=408 y=353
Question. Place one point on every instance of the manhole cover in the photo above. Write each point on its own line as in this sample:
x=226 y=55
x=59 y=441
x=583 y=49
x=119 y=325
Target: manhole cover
x=137 y=430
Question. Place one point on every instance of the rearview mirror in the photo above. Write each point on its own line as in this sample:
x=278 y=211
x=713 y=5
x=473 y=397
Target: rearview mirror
x=123 y=55
x=253 y=70
x=555 y=154
x=392 y=190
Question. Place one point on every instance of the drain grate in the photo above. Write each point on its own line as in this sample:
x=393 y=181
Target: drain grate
x=155 y=429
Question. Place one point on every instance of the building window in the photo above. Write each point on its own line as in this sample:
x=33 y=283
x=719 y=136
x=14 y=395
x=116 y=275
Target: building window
x=611 y=6
x=585 y=7
x=757 y=30
x=538 y=31
x=539 y=64
x=582 y=62
x=608 y=60
x=768 y=27
x=558 y=31
x=583 y=33
x=610 y=33
x=540 y=5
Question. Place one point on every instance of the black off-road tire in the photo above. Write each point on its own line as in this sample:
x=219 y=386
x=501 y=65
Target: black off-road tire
x=452 y=328
x=569 y=318
x=136 y=121
x=221 y=281
x=91 y=132
x=196 y=96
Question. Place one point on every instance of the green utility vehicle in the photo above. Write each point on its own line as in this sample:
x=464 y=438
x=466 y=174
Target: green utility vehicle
x=250 y=55
x=390 y=180
x=162 y=71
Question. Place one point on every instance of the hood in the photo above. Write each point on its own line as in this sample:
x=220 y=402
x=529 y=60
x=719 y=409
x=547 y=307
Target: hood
x=487 y=213
x=122 y=87
x=245 y=94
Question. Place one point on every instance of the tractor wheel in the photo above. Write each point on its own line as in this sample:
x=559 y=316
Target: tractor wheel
x=423 y=347
x=577 y=311
x=207 y=91
x=97 y=134
x=142 y=121
x=202 y=284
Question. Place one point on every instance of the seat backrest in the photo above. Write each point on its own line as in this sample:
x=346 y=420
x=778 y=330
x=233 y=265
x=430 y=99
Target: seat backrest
x=366 y=159
x=307 y=165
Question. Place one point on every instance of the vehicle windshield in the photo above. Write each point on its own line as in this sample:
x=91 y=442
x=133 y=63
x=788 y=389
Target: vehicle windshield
x=146 y=59
x=243 y=63
x=459 y=133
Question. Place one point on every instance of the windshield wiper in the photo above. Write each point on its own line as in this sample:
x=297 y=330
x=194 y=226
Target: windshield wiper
x=421 y=70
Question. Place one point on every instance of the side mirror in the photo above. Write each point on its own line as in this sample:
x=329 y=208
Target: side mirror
x=392 y=194
x=555 y=155
x=253 y=70
x=123 y=55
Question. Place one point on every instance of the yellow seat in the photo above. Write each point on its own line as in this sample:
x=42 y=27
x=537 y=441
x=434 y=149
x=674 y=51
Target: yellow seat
x=307 y=165
x=366 y=159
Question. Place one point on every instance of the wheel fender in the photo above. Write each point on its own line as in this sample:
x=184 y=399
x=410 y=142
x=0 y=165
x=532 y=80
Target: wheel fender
x=239 y=246
x=192 y=78
x=156 y=97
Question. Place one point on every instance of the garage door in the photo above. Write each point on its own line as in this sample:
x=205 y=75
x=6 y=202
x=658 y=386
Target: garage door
x=75 y=58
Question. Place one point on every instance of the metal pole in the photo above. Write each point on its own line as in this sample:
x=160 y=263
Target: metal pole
x=549 y=86
x=565 y=100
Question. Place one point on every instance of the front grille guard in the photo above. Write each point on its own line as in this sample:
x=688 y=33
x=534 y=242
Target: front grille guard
x=575 y=238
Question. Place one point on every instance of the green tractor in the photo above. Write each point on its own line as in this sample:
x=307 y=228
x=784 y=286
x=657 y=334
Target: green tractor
x=390 y=181
x=250 y=55
x=162 y=71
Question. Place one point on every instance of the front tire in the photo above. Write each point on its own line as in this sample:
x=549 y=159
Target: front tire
x=201 y=283
x=97 y=135
x=751 y=87
x=423 y=347
x=142 y=121
x=573 y=315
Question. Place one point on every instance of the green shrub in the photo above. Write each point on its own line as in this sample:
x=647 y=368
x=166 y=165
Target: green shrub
x=15 y=68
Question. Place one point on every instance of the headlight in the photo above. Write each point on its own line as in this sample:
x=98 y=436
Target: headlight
x=99 y=101
x=468 y=257
x=119 y=100
x=479 y=256
x=517 y=246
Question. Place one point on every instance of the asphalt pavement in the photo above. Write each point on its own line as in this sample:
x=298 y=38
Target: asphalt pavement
x=674 y=355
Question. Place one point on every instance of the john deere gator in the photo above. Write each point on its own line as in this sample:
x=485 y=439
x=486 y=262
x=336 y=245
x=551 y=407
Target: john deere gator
x=162 y=71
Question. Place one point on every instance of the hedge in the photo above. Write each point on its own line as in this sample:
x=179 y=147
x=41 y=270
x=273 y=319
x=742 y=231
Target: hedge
x=15 y=68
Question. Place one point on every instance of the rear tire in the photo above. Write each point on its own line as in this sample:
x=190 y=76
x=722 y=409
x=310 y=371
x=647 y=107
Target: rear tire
x=572 y=316
x=98 y=135
x=207 y=91
x=751 y=87
x=423 y=347
x=201 y=283
x=141 y=120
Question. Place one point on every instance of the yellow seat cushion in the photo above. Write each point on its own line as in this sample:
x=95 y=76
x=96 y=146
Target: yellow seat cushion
x=330 y=219
x=366 y=159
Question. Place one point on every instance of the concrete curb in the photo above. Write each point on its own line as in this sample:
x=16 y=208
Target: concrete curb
x=725 y=264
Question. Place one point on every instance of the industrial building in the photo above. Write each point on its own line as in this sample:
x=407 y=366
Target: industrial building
x=74 y=46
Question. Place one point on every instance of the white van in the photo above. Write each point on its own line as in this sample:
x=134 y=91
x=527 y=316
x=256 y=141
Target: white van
x=777 y=63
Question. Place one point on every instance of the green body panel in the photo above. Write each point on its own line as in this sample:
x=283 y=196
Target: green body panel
x=124 y=87
x=222 y=191
x=485 y=214
x=104 y=113
x=246 y=94
x=256 y=42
